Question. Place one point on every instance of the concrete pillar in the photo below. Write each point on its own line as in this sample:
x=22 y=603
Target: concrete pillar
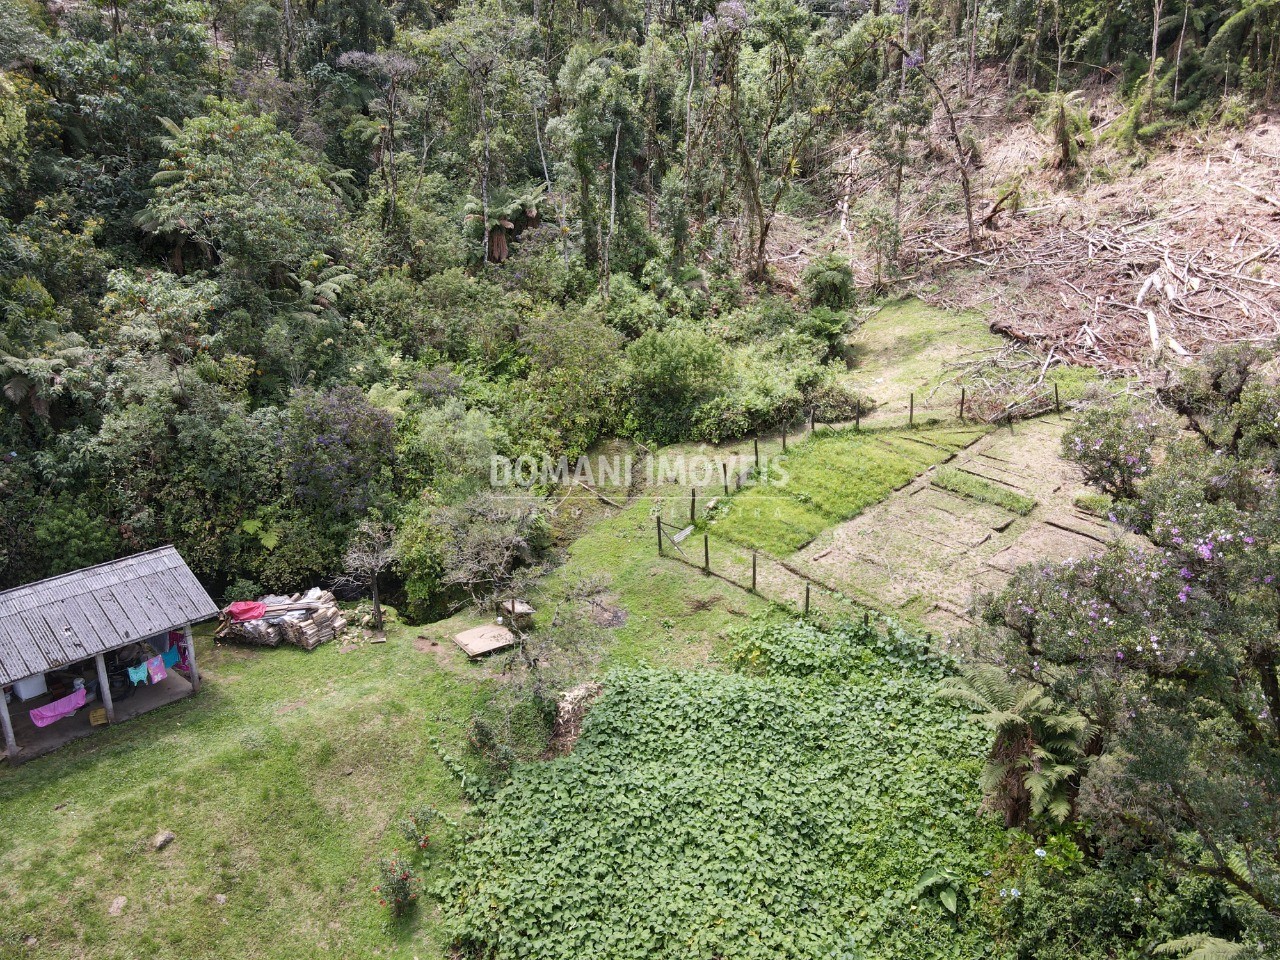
x=191 y=656
x=104 y=688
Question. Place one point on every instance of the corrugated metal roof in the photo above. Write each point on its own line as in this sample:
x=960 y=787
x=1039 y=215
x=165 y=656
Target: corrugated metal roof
x=76 y=615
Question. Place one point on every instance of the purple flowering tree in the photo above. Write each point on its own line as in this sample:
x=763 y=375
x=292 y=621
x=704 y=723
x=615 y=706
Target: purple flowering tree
x=1168 y=642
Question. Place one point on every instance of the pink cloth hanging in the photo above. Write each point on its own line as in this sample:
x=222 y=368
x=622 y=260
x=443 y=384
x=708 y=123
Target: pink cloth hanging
x=155 y=667
x=53 y=712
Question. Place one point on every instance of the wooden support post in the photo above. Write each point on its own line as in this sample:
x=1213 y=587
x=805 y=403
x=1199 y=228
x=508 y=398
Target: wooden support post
x=706 y=554
x=724 y=472
x=659 y=536
x=753 y=571
x=1057 y=400
x=10 y=743
x=693 y=505
x=755 y=441
x=806 y=599
x=962 y=404
x=811 y=419
x=857 y=415
x=911 y=417
x=784 y=438
x=104 y=688
x=190 y=641
x=866 y=618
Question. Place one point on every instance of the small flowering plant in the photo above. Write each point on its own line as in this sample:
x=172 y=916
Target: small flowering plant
x=398 y=886
x=418 y=824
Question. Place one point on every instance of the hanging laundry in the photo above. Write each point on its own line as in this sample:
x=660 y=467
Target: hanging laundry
x=184 y=664
x=53 y=712
x=155 y=667
x=170 y=657
x=138 y=674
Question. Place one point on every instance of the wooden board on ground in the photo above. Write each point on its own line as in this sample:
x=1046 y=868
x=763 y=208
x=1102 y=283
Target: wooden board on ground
x=478 y=641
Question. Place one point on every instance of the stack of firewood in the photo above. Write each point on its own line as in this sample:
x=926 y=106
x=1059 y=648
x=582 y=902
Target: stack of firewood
x=303 y=619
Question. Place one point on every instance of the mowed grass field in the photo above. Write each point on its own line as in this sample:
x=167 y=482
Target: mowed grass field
x=830 y=478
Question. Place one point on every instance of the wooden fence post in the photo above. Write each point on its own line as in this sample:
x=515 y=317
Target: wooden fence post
x=753 y=571
x=693 y=505
x=784 y=438
x=857 y=415
x=706 y=554
x=755 y=441
x=866 y=618
x=806 y=599
x=1057 y=401
x=911 y=417
x=659 y=536
x=811 y=419
x=962 y=404
x=724 y=472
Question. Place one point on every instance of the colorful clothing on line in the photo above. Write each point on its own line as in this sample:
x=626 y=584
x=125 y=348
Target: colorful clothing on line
x=155 y=667
x=138 y=674
x=52 y=712
x=170 y=657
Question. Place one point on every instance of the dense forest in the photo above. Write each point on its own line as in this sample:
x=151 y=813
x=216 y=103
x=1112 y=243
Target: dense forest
x=272 y=270
x=278 y=280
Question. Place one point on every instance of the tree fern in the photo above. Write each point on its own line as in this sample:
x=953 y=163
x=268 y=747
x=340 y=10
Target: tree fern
x=1038 y=747
x=1200 y=946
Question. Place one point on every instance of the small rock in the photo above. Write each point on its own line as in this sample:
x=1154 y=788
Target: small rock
x=220 y=899
x=60 y=806
x=30 y=942
x=117 y=906
x=163 y=839
x=349 y=771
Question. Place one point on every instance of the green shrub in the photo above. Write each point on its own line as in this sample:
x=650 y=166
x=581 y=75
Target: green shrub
x=828 y=282
x=418 y=824
x=1114 y=445
x=668 y=373
x=398 y=886
x=833 y=401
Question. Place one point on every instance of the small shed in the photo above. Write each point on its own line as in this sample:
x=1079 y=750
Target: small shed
x=115 y=637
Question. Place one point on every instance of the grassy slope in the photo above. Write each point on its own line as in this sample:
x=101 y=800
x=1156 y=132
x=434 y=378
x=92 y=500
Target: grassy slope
x=284 y=778
x=281 y=781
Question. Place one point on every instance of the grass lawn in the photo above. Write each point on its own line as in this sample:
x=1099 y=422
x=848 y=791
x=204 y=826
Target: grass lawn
x=829 y=478
x=282 y=779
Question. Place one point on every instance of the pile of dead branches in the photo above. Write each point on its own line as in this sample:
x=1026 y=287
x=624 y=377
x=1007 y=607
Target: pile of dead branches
x=1159 y=267
x=1001 y=383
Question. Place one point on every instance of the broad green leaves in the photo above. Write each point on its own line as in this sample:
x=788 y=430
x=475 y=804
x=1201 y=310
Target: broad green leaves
x=781 y=813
